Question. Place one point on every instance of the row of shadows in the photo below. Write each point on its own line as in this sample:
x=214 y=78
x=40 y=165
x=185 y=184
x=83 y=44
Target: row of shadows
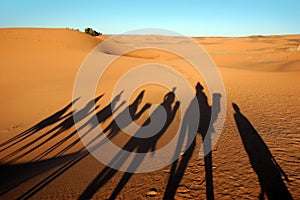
x=12 y=175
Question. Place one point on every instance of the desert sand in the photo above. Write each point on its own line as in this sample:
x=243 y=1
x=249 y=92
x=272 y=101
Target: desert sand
x=42 y=157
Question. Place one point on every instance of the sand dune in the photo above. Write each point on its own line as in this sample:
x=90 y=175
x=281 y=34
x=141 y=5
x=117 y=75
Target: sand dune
x=38 y=66
x=268 y=53
x=38 y=69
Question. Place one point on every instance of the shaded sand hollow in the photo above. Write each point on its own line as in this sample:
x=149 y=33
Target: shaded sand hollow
x=256 y=155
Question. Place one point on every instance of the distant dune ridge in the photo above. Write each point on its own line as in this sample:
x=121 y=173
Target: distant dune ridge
x=38 y=70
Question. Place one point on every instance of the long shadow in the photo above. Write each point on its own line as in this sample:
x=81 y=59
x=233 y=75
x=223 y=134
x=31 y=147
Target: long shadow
x=179 y=166
x=14 y=175
x=37 y=166
x=113 y=128
x=263 y=163
x=56 y=117
x=207 y=140
x=54 y=132
x=102 y=115
x=139 y=145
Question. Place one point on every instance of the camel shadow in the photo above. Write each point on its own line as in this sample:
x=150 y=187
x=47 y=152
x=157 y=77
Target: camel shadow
x=65 y=122
x=139 y=145
x=179 y=165
x=54 y=118
x=101 y=116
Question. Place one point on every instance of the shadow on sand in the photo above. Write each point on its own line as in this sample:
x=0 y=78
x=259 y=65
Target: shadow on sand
x=63 y=120
x=139 y=145
x=179 y=166
x=263 y=163
x=14 y=175
x=56 y=117
x=65 y=161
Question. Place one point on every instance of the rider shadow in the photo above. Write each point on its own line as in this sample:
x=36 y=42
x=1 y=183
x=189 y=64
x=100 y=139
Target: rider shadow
x=38 y=166
x=123 y=121
x=189 y=122
x=101 y=115
x=135 y=144
x=263 y=163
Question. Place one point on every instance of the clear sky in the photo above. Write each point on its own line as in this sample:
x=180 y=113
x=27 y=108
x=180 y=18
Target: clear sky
x=192 y=18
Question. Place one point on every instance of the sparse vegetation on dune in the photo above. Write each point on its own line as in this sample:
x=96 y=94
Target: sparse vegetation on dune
x=91 y=32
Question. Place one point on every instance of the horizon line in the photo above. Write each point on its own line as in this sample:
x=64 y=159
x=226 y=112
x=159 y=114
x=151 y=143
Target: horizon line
x=115 y=34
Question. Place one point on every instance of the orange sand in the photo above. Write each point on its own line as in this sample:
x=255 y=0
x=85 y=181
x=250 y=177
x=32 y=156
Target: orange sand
x=38 y=69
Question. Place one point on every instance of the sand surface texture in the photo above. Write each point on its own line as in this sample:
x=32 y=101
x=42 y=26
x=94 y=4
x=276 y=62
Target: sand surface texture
x=42 y=157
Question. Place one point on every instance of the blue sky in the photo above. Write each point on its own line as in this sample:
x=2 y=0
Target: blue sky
x=192 y=18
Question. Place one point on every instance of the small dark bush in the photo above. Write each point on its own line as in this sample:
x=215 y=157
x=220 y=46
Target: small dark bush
x=74 y=29
x=91 y=32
